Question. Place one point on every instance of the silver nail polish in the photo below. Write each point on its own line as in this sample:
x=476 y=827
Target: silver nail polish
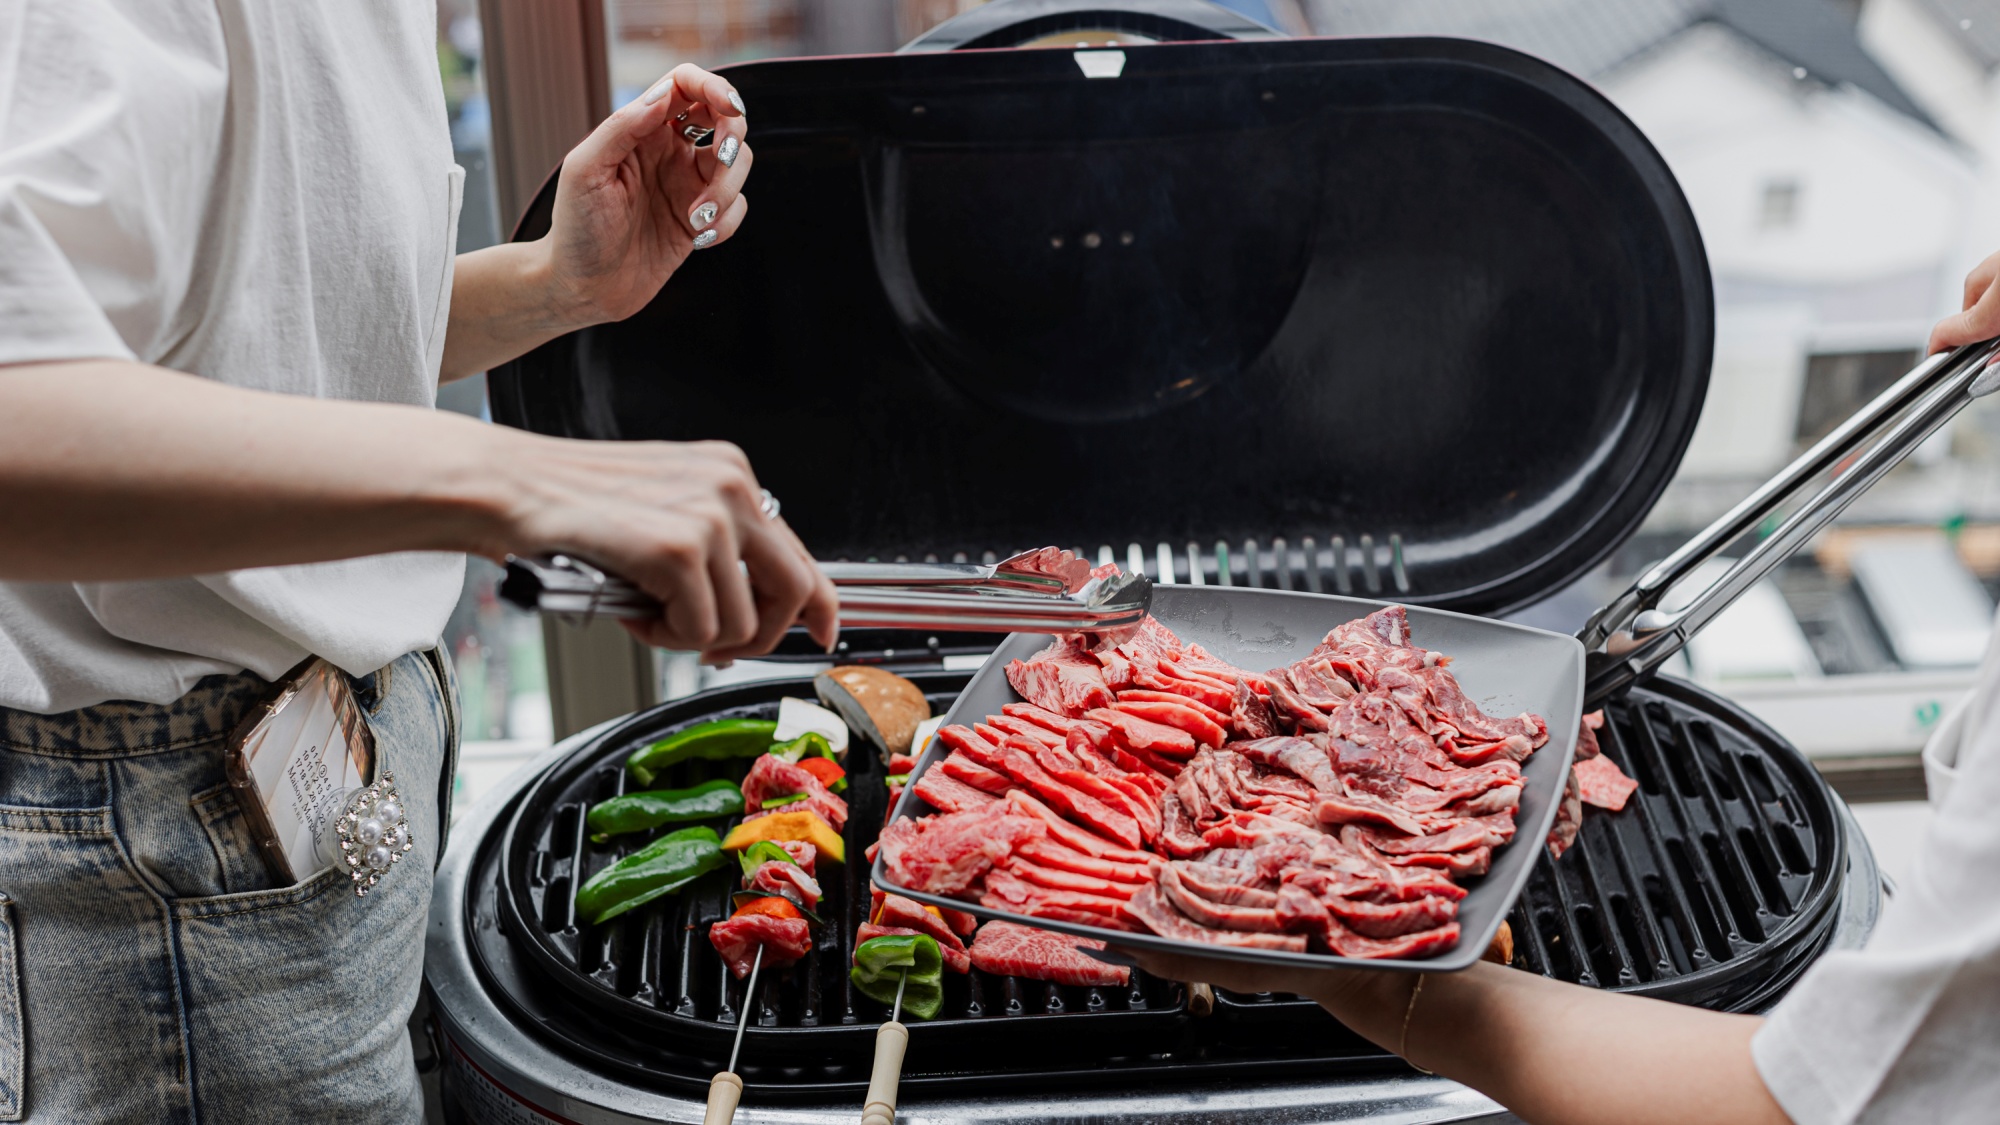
x=736 y=100
x=704 y=215
x=704 y=240
x=658 y=90
x=726 y=152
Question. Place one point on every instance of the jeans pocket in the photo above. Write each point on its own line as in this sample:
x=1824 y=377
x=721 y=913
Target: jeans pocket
x=13 y=1031
x=241 y=865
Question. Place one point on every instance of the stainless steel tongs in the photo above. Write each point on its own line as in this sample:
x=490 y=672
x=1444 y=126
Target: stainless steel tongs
x=1632 y=636
x=1041 y=591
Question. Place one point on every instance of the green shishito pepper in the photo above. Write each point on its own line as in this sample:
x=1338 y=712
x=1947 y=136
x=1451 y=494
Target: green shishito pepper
x=636 y=812
x=879 y=966
x=714 y=741
x=660 y=868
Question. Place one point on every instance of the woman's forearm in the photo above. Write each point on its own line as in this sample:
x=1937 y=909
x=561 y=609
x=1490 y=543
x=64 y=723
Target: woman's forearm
x=505 y=302
x=113 y=470
x=1556 y=1054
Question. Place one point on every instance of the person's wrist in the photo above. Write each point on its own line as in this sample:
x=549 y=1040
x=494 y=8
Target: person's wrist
x=1349 y=993
x=491 y=488
x=565 y=306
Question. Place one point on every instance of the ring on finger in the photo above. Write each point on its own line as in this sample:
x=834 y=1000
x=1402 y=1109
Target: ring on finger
x=695 y=134
x=768 y=504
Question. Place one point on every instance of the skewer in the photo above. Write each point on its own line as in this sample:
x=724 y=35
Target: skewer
x=726 y=1089
x=890 y=1041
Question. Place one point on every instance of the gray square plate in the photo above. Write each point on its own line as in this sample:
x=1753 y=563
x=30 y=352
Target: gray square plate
x=1505 y=668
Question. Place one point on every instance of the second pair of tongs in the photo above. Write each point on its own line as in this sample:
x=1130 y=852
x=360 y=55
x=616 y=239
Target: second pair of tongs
x=1042 y=591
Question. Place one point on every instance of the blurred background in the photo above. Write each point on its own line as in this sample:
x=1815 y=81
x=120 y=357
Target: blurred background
x=1840 y=156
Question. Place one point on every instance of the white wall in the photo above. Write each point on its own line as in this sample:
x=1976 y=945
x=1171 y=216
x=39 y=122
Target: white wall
x=1872 y=251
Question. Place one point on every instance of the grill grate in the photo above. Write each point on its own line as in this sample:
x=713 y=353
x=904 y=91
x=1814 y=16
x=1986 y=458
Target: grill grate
x=1715 y=886
x=1726 y=851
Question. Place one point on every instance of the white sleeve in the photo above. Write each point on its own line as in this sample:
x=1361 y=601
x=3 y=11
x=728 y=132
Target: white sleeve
x=110 y=124
x=1908 y=1028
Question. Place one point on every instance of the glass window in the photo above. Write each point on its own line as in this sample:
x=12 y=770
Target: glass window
x=503 y=682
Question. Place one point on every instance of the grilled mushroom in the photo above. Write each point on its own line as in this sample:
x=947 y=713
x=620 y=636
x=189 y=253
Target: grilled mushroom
x=884 y=707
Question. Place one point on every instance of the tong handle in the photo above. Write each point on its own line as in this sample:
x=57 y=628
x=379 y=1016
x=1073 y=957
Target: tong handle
x=1629 y=638
x=724 y=1091
x=890 y=1042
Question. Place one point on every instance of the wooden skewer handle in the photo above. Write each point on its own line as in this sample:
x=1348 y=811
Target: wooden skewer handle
x=724 y=1091
x=890 y=1042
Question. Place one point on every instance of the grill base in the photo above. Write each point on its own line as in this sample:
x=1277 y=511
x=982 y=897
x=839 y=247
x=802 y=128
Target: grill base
x=507 y=1015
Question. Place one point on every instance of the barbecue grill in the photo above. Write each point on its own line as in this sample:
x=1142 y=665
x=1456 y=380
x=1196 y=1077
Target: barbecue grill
x=1417 y=319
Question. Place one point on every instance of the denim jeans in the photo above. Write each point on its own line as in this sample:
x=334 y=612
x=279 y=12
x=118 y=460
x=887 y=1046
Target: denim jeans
x=153 y=970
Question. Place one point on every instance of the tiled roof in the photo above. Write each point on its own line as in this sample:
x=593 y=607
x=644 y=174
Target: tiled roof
x=1591 y=37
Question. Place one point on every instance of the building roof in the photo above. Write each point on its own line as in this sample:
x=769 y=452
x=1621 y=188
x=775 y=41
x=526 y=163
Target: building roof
x=1976 y=24
x=1592 y=37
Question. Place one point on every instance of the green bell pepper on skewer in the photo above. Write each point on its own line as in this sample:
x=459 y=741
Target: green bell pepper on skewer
x=660 y=868
x=636 y=812
x=714 y=741
x=811 y=742
x=761 y=853
x=912 y=960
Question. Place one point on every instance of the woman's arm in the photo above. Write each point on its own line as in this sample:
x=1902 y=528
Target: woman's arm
x=115 y=470
x=632 y=202
x=1553 y=1053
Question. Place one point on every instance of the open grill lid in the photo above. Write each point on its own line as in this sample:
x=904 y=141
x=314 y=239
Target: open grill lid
x=1428 y=291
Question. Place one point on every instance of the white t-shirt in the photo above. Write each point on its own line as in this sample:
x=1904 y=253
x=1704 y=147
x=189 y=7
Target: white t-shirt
x=259 y=193
x=1907 y=1029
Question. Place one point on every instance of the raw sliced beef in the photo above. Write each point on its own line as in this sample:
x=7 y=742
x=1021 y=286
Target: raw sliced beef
x=784 y=940
x=772 y=776
x=1063 y=678
x=1600 y=782
x=955 y=957
x=1159 y=916
x=1012 y=950
x=895 y=910
x=946 y=855
x=948 y=794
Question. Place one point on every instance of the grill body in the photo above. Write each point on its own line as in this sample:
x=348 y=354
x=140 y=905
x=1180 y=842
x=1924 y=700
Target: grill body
x=1733 y=867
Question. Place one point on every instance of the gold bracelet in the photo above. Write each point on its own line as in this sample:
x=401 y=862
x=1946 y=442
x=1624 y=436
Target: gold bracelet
x=1403 y=1046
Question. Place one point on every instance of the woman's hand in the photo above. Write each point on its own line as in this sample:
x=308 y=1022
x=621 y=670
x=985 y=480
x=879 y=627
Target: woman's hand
x=637 y=197
x=684 y=522
x=632 y=202
x=1980 y=318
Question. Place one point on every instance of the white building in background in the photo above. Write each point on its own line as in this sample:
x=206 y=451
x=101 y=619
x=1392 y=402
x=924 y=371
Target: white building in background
x=1837 y=158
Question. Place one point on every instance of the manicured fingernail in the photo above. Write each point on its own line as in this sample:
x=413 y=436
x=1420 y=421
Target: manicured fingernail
x=658 y=91
x=704 y=240
x=703 y=215
x=736 y=100
x=727 y=152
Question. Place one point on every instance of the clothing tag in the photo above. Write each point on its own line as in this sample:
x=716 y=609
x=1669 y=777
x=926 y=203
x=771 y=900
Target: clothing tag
x=297 y=762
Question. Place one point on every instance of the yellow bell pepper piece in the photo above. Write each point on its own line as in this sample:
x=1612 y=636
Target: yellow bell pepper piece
x=803 y=825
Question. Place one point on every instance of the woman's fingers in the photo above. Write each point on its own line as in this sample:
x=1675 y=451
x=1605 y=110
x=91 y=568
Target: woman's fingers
x=719 y=195
x=687 y=86
x=1979 y=322
x=724 y=224
x=1979 y=279
x=781 y=584
x=736 y=617
x=1980 y=318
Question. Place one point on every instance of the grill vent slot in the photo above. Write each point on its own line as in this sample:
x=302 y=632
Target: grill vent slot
x=1336 y=564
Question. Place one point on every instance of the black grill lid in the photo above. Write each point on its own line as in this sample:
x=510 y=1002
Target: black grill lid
x=1430 y=291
